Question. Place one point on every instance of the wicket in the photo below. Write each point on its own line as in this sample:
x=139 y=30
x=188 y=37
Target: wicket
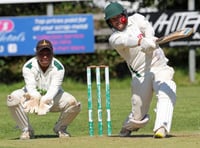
x=99 y=104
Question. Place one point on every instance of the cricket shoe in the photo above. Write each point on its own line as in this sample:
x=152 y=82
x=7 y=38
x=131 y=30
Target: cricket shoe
x=27 y=134
x=124 y=132
x=160 y=133
x=62 y=132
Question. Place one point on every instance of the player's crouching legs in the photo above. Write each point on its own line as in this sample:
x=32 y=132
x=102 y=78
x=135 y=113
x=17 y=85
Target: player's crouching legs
x=70 y=109
x=18 y=114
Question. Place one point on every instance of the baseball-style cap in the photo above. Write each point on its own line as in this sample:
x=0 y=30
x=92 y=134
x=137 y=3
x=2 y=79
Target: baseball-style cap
x=44 y=44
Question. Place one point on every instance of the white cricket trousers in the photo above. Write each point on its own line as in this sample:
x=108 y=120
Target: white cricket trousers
x=160 y=81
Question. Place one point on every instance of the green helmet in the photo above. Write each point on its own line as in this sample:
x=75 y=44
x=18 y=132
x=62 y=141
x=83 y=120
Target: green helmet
x=113 y=9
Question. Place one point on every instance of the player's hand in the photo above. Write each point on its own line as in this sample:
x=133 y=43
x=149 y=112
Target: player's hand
x=30 y=103
x=154 y=38
x=44 y=106
x=147 y=44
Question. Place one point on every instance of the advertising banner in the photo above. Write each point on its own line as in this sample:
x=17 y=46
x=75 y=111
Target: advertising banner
x=70 y=34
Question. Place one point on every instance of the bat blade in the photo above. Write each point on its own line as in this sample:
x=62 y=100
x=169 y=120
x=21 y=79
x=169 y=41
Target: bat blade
x=183 y=33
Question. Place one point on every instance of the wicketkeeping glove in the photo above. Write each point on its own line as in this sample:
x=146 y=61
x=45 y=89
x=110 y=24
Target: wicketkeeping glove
x=30 y=103
x=44 y=106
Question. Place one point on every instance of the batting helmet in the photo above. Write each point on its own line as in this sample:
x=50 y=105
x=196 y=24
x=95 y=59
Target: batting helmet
x=112 y=10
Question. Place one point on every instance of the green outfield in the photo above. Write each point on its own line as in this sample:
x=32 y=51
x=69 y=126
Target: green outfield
x=185 y=132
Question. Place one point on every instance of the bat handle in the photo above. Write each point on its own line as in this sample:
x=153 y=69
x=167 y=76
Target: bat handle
x=159 y=39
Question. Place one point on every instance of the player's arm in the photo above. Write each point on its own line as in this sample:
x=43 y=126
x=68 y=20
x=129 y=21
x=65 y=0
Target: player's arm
x=32 y=96
x=148 y=41
x=46 y=101
x=30 y=81
x=56 y=82
x=123 y=40
x=145 y=26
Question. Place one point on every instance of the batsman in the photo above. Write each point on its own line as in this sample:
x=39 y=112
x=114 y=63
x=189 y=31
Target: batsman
x=43 y=93
x=133 y=38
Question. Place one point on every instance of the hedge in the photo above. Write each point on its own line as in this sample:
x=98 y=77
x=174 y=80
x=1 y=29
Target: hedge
x=75 y=64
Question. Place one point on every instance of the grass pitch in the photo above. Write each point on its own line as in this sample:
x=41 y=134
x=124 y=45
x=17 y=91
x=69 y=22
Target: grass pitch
x=185 y=132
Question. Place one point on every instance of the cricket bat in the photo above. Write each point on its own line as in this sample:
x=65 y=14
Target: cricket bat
x=182 y=33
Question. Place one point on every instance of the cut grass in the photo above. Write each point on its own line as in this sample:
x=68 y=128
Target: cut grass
x=185 y=130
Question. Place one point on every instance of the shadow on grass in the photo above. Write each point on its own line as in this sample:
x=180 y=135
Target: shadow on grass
x=141 y=136
x=112 y=136
x=45 y=136
x=39 y=137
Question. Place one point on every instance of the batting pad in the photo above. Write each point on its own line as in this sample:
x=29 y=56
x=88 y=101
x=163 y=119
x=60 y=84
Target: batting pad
x=19 y=116
x=132 y=124
x=13 y=100
x=165 y=105
x=68 y=116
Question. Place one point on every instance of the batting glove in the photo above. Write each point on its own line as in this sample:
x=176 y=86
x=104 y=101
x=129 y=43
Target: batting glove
x=147 y=44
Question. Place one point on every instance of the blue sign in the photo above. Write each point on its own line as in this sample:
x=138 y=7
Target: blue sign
x=69 y=34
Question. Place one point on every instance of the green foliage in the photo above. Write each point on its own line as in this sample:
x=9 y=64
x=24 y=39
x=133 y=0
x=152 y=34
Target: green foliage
x=75 y=65
x=10 y=69
x=70 y=7
x=74 y=7
x=147 y=3
x=23 y=9
x=172 y=5
x=179 y=58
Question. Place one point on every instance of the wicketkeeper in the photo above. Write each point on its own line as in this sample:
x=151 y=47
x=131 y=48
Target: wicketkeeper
x=42 y=93
x=133 y=38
